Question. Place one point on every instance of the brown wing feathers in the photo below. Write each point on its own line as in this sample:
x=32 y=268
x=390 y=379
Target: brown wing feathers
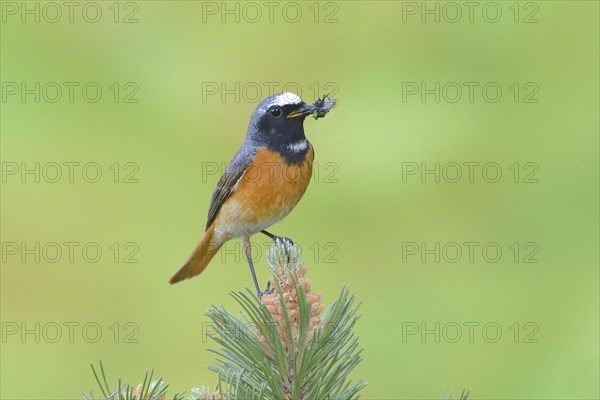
x=226 y=185
x=209 y=246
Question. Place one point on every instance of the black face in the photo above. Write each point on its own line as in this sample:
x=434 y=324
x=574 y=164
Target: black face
x=278 y=124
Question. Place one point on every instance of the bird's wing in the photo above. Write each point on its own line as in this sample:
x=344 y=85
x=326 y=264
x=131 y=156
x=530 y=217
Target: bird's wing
x=228 y=182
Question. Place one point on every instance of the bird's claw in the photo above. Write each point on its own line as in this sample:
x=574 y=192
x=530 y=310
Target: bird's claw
x=268 y=290
x=286 y=241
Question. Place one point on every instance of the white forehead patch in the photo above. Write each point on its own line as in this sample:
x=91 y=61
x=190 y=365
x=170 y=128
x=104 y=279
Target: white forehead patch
x=286 y=98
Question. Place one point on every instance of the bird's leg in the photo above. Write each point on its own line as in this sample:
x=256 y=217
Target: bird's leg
x=268 y=234
x=283 y=239
x=248 y=252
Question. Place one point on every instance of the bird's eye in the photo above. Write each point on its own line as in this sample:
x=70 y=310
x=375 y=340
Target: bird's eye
x=275 y=111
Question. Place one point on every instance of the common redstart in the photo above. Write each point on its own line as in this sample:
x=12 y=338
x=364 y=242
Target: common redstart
x=264 y=181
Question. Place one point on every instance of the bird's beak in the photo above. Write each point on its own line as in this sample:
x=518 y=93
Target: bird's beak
x=305 y=109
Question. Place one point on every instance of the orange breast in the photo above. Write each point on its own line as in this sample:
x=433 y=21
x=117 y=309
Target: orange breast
x=266 y=193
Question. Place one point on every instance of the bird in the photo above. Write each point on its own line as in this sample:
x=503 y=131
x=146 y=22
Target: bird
x=264 y=181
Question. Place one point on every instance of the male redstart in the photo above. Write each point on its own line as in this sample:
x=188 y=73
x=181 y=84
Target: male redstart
x=264 y=181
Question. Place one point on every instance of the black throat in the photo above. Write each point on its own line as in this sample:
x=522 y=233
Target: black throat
x=293 y=153
x=286 y=139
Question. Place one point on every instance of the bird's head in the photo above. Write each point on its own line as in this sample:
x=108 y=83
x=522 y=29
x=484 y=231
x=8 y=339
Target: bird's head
x=280 y=118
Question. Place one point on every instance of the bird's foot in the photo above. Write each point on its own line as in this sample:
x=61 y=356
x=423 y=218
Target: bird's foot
x=268 y=290
x=286 y=241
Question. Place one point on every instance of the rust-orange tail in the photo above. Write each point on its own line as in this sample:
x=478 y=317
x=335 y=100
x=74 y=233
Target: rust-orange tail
x=204 y=252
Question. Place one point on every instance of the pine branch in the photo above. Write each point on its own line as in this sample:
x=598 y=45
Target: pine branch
x=280 y=347
x=148 y=390
x=464 y=395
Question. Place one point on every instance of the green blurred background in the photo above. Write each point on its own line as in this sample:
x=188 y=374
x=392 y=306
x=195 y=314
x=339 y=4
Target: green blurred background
x=359 y=213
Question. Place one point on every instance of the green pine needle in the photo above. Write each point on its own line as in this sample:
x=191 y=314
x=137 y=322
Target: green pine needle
x=253 y=363
x=151 y=389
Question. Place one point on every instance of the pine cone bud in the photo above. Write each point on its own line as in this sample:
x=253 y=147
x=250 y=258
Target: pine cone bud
x=137 y=394
x=282 y=282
